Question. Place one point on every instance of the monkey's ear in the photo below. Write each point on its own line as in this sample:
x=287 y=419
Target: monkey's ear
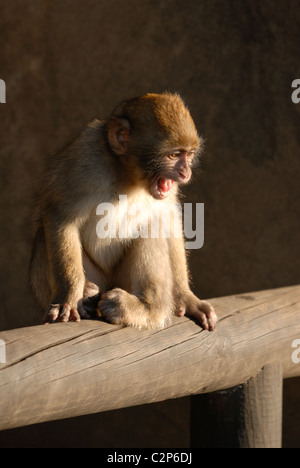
x=118 y=134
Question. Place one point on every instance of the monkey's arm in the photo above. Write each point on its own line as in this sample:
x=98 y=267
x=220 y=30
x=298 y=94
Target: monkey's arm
x=179 y=266
x=186 y=301
x=66 y=271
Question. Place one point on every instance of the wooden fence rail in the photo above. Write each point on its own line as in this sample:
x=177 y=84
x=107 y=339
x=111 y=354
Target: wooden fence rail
x=70 y=369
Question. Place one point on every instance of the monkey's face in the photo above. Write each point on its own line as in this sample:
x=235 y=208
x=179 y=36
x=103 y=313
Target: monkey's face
x=157 y=141
x=175 y=166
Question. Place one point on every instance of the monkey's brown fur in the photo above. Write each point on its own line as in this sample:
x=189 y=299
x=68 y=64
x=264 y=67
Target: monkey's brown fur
x=144 y=150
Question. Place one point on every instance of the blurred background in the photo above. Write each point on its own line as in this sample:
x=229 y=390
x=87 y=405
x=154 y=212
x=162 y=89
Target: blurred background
x=67 y=62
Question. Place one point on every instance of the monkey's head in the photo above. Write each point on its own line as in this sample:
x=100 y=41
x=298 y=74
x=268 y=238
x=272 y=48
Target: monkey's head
x=155 y=137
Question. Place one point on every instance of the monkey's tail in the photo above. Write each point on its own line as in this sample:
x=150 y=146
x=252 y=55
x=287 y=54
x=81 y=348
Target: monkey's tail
x=39 y=268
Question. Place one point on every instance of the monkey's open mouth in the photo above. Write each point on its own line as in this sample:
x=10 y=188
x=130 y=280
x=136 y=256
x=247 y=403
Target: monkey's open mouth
x=161 y=187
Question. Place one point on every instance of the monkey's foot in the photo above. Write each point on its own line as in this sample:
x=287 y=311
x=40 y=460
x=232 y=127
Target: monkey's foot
x=200 y=311
x=112 y=306
x=121 y=308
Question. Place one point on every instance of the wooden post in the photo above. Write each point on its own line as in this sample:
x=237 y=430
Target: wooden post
x=263 y=409
x=247 y=416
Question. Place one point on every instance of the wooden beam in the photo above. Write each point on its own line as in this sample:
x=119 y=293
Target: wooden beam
x=71 y=369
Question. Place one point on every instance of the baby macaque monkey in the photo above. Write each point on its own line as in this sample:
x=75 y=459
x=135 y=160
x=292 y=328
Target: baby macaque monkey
x=145 y=150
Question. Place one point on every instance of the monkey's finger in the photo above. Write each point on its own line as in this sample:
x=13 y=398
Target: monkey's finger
x=195 y=314
x=52 y=314
x=211 y=316
x=201 y=318
x=212 y=320
x=180 y=312
x=74 y=316
x=65 y=313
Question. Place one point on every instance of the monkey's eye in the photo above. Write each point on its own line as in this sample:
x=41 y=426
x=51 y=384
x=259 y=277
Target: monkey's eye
x=174 y=155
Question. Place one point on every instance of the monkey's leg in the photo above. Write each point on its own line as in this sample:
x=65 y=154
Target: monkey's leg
x=186 y=301
x=144 y=298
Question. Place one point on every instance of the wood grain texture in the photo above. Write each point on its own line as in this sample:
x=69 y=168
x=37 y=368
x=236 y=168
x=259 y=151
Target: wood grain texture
x=262 y=409
x=71 y=369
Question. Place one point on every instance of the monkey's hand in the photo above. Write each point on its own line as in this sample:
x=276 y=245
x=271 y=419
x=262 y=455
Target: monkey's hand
x=85 y=308
x=198 y=310
x=61 y=313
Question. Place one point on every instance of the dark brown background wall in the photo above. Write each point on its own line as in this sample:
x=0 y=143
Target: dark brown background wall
x=66 y=62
